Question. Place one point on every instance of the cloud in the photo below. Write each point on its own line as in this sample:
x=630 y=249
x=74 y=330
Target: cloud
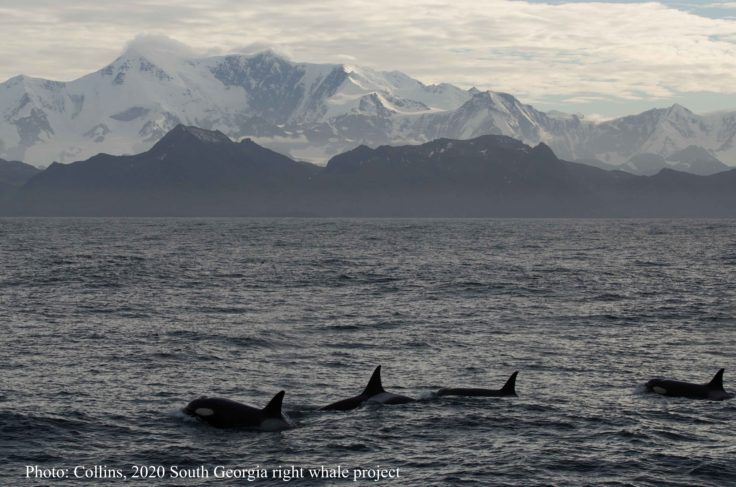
x=256 y=47
x=723 y=5
x=628 y=51
x=597 y=117
x=162 y=46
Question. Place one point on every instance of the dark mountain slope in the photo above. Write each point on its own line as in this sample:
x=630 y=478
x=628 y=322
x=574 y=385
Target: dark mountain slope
x=14 y=174
x=189 y=171
x=198 y=172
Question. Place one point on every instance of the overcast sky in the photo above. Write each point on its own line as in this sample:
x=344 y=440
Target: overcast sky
x=601 y=59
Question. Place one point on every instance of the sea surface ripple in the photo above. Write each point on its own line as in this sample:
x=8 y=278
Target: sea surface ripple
x=110 y=326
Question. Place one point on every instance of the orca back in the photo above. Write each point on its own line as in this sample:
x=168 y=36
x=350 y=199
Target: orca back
x=273 y=408
x=712 y=390
x=374 y=386
x=717 y=382
x=373 y=392
x=509 y=388
x=226 y=413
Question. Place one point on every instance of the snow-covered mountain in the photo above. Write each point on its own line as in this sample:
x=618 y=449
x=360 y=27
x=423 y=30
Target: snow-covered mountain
x=663 y=132
x=692 y=159
x=309 y=111
x=128 y=105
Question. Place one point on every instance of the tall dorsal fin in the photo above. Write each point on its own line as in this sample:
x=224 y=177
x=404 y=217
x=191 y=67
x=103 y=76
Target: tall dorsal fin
x=717 y=381
x=374 y=385
x=510 y=386
x=273 y=408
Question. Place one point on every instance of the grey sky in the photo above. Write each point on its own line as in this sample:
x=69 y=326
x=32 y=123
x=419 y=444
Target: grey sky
x=592 y=57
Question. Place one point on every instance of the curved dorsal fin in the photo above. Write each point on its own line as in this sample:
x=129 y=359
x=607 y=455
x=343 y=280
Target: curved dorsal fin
x=510 y=386
x=717 y=381
x=374 y=385
x=273 y=408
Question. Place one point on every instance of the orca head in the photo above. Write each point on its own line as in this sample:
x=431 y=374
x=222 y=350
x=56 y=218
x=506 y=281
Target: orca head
x=658 y=386
x=199 y=408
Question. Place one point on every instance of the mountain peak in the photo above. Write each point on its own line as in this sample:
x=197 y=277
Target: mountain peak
x=156 y=55
x=17 y=79
x=693 y=153
x=543 y=152
x=480 y=99
x=697 y=160
x=187 y=134
x=269 y=53
x=26 y=81
x=494 y=98
x=157 y=49
x=208 y=136
x=678 y=109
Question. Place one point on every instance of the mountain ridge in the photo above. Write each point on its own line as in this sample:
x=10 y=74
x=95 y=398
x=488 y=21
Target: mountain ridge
x=196 y=172
x=310 y=111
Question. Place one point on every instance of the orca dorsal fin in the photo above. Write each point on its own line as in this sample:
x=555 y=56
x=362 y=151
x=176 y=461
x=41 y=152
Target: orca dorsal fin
x=273 y=408
x=510 y=386
x=717 y=381
x=374 y=385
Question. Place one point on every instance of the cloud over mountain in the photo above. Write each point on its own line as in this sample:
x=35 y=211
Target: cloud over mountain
x=551 y=53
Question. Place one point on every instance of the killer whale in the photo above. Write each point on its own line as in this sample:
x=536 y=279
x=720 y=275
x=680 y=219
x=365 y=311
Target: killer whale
x=713 y=390
x=374 y=392
x=226 y=413
x=509 y=389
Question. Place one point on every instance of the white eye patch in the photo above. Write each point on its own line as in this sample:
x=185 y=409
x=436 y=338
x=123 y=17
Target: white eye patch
x=204 y=412
x=659 y=390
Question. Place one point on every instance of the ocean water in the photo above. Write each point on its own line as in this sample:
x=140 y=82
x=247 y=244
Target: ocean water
x=111 y=326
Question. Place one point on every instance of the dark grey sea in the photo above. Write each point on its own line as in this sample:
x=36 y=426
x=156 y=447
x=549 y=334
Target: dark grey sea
x=111 y=326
